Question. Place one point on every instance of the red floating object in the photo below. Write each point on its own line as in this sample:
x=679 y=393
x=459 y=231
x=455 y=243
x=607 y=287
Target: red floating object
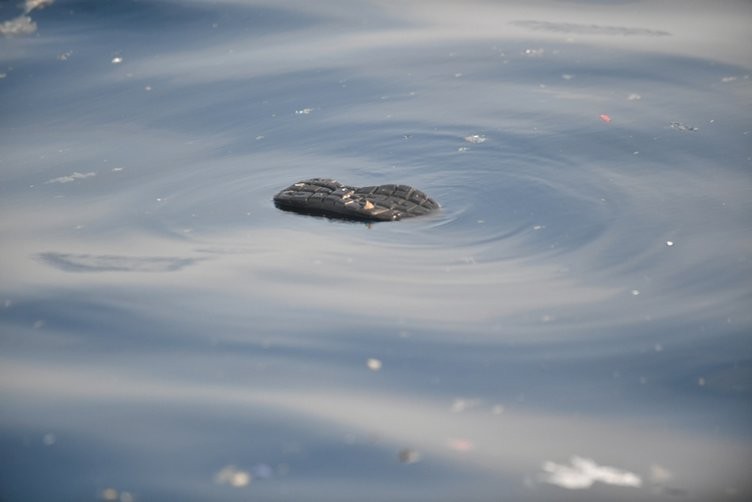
x=605 y=118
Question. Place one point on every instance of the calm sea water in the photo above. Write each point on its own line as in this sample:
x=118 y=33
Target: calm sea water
x=574 y=324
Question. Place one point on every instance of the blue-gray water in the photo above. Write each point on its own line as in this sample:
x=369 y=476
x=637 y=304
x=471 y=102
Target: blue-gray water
x=574 y=324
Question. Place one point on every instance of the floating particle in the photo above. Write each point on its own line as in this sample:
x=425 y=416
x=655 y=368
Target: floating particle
x=457 y=75
x=459 y=405
x=659 y=474
x=605 y=118
x=408 y=456
x=475 y=139
x=670 y=243
x=726 y=80
x=635 y=292
x=303 y=111
x=462 y=445
x=374 y=364
x=117 y=169
x=567 y=76
x=64 y=56
x=462 y=149
x=701 y=382
x=534 y=52
x=117 y=60
x=634 y=97
x=231 y=475
x=683 y=127
x=497 y=409
x=147 y=88
x=109 y=494
x=538 y=227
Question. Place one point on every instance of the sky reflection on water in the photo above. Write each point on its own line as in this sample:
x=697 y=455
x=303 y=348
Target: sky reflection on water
x=573 y=324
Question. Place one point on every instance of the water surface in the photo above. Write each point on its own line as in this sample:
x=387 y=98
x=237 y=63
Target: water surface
x=573 y=324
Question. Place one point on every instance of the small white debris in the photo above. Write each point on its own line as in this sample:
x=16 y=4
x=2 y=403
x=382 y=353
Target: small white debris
x=475 y=139
x=64 y=56
x=670 y=243
x=635 y=292
x=304 y=111
x=72 y=177
x=538 y=227
x=457 y=75
x=726 y=80
x=567 y=76
x=683 y=127
x=117 y=60
x=374 y=364
x=147 y=88
x=462 y=149
x=259 y=137
x=701 y=382
x=634 y=97
x=583 y=472
x=534 y=52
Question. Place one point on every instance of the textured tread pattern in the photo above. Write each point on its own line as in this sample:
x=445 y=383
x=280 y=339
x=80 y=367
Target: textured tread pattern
x=326 y=197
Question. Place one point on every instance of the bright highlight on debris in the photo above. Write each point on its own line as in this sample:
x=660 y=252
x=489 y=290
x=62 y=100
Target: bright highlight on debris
x=117 y=60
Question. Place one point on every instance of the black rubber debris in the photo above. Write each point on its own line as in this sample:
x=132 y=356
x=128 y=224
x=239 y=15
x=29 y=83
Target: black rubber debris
x=327 y=197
